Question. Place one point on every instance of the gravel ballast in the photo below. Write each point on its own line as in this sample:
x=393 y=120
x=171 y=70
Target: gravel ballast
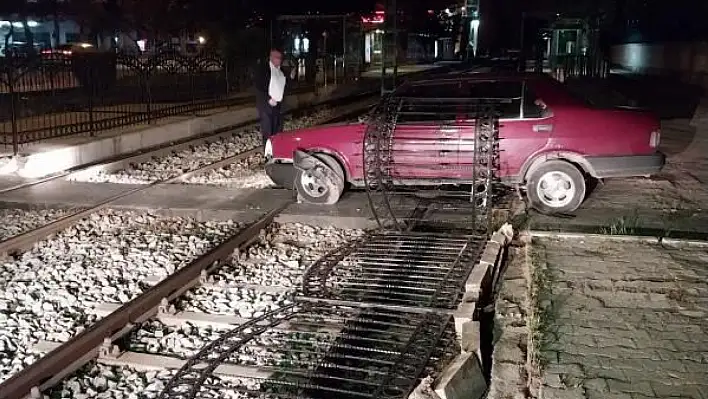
x=45 y=293
x=277 y=259
x=16 y=221
x=173 y=165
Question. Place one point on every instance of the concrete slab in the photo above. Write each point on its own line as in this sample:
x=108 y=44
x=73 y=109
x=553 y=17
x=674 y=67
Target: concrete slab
x=198 y=201
x=206 y=202
x=64 y=193
x=9 y=182
x=462 y=379
x=463 y=315
x=351 y=212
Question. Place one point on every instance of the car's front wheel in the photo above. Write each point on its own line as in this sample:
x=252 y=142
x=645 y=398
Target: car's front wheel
x=556 y=187
x=314 y=185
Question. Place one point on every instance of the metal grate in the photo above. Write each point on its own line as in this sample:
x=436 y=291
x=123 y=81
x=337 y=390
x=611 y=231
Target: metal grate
x=305 y=351
x=431 y=153
x=414 y=272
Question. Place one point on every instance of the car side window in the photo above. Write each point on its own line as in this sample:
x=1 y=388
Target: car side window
x=451 y=101
x=506 y=96
x=533 y=107
x=432 y=103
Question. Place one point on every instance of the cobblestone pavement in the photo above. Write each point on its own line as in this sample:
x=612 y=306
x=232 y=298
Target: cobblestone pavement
x=673 y=200
x=621 y=319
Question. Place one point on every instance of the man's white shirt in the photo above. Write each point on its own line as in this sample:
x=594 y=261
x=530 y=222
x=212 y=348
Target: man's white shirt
x=276 y=88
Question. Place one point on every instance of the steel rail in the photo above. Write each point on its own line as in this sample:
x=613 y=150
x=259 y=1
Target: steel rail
x=73 y=354
x=25 y=240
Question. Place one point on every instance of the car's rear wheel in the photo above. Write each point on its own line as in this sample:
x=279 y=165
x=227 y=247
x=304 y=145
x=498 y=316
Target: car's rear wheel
x=556 y=187
x=315 y=188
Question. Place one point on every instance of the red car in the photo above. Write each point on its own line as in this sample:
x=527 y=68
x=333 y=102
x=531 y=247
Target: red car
x=551 y=143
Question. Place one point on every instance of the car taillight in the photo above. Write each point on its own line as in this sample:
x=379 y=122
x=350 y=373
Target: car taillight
x=655 y=138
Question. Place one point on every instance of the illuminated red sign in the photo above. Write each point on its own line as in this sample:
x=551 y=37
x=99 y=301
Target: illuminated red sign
x=377 y=18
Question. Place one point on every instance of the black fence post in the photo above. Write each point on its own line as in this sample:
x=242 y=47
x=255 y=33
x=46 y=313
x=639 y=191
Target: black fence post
x=148 y=97
x=92 y=90
x=13 y=110
x=192 y=72
x=226 y=65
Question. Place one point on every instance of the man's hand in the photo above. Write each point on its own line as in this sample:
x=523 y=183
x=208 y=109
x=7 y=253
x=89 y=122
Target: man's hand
x=272 y=102
x=292 y=73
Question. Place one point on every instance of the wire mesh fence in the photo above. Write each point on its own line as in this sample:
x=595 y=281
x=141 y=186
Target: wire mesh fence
x=60 y=95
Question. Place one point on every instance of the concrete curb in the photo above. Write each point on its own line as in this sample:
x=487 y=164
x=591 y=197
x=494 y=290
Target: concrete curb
x=626 y=238
x=464 y=378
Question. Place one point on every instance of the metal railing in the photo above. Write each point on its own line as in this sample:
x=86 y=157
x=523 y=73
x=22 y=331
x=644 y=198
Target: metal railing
x=63 y=95
x=580 y=66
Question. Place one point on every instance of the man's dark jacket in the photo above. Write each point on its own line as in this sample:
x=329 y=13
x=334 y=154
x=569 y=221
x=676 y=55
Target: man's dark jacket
x=261 y=82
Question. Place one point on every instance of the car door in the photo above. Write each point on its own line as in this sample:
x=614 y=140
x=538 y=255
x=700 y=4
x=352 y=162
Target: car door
x=523 y=131
x=426 y=139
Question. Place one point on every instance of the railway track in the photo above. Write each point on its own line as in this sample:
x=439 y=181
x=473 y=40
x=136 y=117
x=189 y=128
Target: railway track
x=19 y=242
x=372 y=342
x=367 y=320
x=14 y=245
x=123 y=161
x=304 y=348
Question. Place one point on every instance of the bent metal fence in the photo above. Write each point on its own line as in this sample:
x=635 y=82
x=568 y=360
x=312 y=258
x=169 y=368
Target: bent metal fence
x=55 y=96
x=431 y=154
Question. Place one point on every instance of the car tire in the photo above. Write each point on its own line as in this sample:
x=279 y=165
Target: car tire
x=314 y=191
x=556 y=187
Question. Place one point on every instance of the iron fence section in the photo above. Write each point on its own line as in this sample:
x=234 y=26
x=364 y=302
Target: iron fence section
x=62 y=95
x=306 y=351
x=431 y=155
x=411 y=271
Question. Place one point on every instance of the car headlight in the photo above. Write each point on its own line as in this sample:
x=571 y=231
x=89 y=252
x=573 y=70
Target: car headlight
x=268 y=151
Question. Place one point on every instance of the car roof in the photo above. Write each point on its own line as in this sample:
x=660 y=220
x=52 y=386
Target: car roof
x=543 y=86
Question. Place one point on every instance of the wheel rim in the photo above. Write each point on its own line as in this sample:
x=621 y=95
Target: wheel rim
x=312 y=185
x=555 y=189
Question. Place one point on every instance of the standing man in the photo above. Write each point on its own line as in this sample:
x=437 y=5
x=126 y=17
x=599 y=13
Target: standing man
x=270 y=84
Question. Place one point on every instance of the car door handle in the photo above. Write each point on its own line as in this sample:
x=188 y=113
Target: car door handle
x=542 y=128
x=449 y=131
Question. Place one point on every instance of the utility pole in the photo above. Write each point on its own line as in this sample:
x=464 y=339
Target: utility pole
x=390 y=27
x=395 y=44
x=522 y=38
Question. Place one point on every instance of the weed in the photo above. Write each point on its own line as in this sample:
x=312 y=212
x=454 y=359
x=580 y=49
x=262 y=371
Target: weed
x=678 y=219
x=625 y=225
x=544 y=310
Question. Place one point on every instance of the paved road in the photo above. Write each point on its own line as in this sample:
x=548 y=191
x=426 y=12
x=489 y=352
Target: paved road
x=626 y=320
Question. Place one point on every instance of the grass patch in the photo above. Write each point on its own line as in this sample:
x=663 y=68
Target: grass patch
x=678 y=219
x=622 y=226
x=543 y=311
